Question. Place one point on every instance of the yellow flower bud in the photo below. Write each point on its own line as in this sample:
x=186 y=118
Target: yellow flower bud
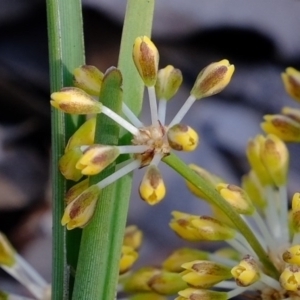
x=72 y=100
x=254 y=157
x=7 y=252
x=180 y=256
x=89 y=79
x=168 y=82
x=84 y=135
x=212 y=79
x=152 y=188
x=237 y=198
x=295 y=215
x=275 y=157
x=167 y=283
x=200 y=228
x=282 y=126
x=292 y=255
x=146 y=58
x=96 y=158
x=246 y=272
x=291 y=81
x=182 y=138
x=67 y=164
x=76 y=190
x=137 y=282
x=201 y=294
x=252 y=186
x=133 y=237
x=148 y=296
x=80 y=211
x=208 y=177
x=205 y=274
x=290 y=278
x=128 y=257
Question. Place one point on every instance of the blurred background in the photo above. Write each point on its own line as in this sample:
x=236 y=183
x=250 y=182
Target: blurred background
x=260 y=37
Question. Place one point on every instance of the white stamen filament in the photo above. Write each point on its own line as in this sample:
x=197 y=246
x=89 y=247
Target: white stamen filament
x=240 y=238
x=162 y=109
x=238 y=246
x=222 y=260
x=131 y=116
x=225 y=285
x=156 y=159
x=133 y=149
x=153 y=105
x=283 y=213
x=119 y=173
x=183 y=110
x=239 y=290
x=111 y=114
x=273 y=283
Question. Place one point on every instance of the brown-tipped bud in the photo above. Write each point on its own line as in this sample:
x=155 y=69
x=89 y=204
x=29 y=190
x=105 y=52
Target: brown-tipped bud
x=237 y=198
x=183 y=255
x=168 y=82
x=252 y=186
x=72 y=100
x=212 y=79
x=182 y=138
x=210 y=179
x=67 y=164
x=201 y=294
x=205 y=274
x=282 y=126
x=292 y=255
x=254 y=157
x=275 y=157
x=133 y=237
x=295 y=215
x=80 y=211
x=167 y=283
x=89 y=79
x=246 y=272
x=76 y=190
x=292 y=113
x=7 y=252
x=200 y=228
x=137 y=282
x=96 y=158
x=290 y=278
x=291 y=81
x=84 y=135
x=152 y=188
x=146 y=58
x=128 y=258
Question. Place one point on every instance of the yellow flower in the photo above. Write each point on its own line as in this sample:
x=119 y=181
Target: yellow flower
x=291 y=81
x=290 y=278
x=133 y=237
x=67 y=164
x=128 y=258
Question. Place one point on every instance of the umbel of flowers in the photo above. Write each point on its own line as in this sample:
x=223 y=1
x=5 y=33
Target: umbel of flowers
x=262 y=202
x=149 y=144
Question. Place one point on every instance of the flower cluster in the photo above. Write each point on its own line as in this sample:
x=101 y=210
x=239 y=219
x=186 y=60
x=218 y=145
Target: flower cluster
x=262 y=203
x=12 y=263
x=149 y=144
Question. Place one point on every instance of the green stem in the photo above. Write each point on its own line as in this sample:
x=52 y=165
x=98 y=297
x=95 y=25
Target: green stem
x=65 y=53
x=98 y=265
x=179 y=166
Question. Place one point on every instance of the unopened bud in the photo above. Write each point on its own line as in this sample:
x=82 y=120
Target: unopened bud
x=7 y=252
x=246 y=272
x=146 y=58
x=67 y=164
x=152 y=188
x=205 y=274
x=133 y=237
x=96 y=158
x=201 y=294
x=212 y=79
x=290 y=278
x=180 y=256
x=295 y=215
x=168 y=82
x=128 y=257
x=291 y=81
x=80 y=211
x=292 y=255
x=275 y=157
x=84 y=135
x=72 y=100
x=76 y=190
x=182 y=138
x=89 y=79
x=237 y=198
